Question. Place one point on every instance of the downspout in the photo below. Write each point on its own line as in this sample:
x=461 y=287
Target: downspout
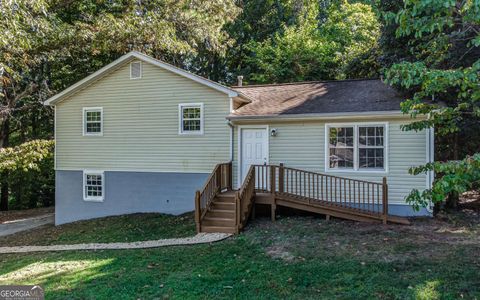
x=231 y=139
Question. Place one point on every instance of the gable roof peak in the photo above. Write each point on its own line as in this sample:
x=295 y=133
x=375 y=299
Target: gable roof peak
x=145 y=58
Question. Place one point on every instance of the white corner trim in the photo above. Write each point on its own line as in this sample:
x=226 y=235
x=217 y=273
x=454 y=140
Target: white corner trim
x=181 y=106
x=356 y=169
x=145 y=58
x=239 y=148
x=430 y=154
x=90 y=198
x=55 y=137
x=84 y=124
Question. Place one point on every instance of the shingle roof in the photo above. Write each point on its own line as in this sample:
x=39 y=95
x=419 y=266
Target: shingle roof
x=344 y=96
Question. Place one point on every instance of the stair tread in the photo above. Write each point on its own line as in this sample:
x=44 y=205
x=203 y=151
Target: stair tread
x=212 y=218
x=222 y=210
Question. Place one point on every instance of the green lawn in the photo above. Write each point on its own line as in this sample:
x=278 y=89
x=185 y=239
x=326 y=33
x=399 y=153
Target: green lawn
x=126 y=228
x=296 y=257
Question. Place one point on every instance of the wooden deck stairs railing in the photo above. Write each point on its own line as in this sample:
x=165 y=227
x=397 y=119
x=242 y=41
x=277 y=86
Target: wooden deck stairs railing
x=219 y=208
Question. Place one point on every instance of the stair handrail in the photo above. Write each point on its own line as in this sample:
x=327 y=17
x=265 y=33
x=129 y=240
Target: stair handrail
x=349 y=193
x=219 y=179
x=244 y=199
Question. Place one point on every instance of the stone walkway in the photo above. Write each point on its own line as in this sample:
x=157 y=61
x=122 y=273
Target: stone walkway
x=14 y=226
x=200 y=238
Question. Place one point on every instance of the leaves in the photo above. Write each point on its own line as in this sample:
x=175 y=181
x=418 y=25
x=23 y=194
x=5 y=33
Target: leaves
x=26 y=156
x=443 y=81
x=454 y=177
x=311 y=50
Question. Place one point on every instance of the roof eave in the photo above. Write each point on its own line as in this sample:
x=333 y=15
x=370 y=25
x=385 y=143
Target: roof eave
x=312 y=116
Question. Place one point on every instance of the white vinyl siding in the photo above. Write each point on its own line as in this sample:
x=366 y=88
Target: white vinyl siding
x=302 y=145
x=140 y=125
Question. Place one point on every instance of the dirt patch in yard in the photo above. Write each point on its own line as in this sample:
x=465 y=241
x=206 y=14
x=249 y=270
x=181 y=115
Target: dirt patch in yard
x=296 y=238
x=12 y=215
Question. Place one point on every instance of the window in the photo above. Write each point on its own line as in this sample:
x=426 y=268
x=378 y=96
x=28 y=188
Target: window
x=93 y=121
x=356 y=147
x=371 y=147
x=93 y=185
x=136 y=70
x=341 y=147
x=191 y=118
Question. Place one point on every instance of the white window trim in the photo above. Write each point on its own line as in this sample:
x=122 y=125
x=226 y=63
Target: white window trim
x=141 y=69
x=356 y=169
x=181 y=106
x=84 y=121
x=90 y=198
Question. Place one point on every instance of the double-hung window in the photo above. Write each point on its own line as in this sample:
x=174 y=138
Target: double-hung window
x=92 y=121
x=356 y=147
x=191 y=118
x=93 y=185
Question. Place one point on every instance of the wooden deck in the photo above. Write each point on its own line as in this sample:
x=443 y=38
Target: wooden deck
x=221 y=209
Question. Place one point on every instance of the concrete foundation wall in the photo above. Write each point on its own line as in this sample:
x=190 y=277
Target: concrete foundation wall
x=126 y=192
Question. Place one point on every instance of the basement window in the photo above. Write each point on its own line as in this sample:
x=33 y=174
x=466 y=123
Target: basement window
x=93 y=186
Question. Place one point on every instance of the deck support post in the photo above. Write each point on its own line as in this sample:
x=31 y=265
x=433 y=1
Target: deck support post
x=385 y=200
x=273 y=209
x=327 y=217
x=197 y=211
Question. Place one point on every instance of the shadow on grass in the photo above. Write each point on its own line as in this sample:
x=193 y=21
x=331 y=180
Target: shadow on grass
x=323 y=262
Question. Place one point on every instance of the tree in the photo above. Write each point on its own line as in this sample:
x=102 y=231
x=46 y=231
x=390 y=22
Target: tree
x=321 y=46
x=441 y=64
x=47 y=45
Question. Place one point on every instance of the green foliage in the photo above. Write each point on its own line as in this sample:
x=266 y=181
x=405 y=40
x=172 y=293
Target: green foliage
x=443 y=79
x=26 y=156
x=455 y=177
x=31 y=176
x=314 y=50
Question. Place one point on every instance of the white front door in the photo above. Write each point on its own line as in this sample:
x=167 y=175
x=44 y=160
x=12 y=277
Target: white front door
x=254 y=148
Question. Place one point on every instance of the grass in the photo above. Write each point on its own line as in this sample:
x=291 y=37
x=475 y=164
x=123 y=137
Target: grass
x=126 y=228
x=295 y=257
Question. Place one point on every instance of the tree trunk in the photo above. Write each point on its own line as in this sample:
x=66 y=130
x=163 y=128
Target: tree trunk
x=455 y=147
x=4 y=140
x=452 y=200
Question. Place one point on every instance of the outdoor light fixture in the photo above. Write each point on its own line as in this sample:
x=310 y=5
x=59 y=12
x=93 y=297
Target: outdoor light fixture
x=273 y=132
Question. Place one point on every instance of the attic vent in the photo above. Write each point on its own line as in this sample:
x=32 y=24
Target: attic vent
x=135 y=70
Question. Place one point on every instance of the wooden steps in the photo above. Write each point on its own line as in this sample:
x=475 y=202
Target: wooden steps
x=220 y=217
x=216 y=204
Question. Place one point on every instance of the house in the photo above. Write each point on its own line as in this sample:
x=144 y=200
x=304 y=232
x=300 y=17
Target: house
x=140 y=135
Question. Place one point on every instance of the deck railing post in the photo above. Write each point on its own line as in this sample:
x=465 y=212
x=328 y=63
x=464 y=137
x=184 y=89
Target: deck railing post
x=385 y=199
x=273 y=187
x=281 y=176
x=218 y=179
x=229 y=178
x=198 y=211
